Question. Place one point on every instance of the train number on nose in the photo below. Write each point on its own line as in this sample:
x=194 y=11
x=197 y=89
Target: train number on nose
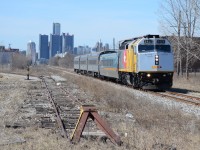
x=156 y=67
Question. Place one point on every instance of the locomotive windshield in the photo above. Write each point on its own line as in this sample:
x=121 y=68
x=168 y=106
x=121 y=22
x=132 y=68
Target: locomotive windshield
x=145 y=48
x=163 y=48
x=151 y=48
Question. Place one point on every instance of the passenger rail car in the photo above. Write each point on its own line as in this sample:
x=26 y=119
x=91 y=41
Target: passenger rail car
x=144 y=62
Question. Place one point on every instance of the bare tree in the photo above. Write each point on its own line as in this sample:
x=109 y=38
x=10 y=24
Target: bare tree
x=67 y=61
x=19 y=61
x=181 y=18
x=54 y=61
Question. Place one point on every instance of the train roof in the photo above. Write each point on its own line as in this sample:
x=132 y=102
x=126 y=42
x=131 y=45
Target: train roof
x=123 y=43
x=97 y=53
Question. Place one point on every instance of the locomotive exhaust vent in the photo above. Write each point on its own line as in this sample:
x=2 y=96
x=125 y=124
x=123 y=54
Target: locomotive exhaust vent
x=156 y=60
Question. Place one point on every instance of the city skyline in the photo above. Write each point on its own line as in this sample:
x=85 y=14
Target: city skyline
x=88 y=20
x=58 y=43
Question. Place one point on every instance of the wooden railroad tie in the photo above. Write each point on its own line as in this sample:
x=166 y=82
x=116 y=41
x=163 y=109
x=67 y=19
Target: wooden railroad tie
x=90 y=111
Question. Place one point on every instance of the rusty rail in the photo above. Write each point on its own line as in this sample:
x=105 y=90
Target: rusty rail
x=69 y=95
x=59 y=120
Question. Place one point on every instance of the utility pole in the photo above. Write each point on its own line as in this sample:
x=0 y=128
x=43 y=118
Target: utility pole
x=28 y=69
x=114 y=44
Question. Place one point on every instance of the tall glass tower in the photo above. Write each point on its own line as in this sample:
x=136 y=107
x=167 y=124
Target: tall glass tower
x=43 y=46
x=56 y=28
x=67 y=43
x=55 y=44
x=31 y=51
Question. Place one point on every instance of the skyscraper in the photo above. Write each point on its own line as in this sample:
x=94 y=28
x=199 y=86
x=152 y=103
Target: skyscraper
x=56 y=28
x=55 y=44
x=67 y=43
x=43 y=46
x=31 y=51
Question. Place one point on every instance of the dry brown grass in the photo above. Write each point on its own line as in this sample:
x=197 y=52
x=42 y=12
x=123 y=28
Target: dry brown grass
x=154 y=126
x=193 y=83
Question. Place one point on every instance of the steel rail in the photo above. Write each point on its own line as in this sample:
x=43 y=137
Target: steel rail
x=183 y=95
x=71 y=97
x=171 y=96
x=59 y=120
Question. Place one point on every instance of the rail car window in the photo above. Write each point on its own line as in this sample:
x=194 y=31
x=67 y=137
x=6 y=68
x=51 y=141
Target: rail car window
x=92 y=62
x=83 y=62
x=107 y=62
x=145 y=48
x=163 y=48
x=76 y=62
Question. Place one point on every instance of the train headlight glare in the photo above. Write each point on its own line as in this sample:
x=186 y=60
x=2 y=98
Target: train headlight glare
x=164 y=75
x=148 y=75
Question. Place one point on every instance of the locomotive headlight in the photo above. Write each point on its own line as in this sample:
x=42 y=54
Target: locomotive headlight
x=156 y=60
x=164 y=75
x=148 y=75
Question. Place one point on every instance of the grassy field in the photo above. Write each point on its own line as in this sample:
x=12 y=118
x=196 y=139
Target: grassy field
x=193 y=83
x=153 y=126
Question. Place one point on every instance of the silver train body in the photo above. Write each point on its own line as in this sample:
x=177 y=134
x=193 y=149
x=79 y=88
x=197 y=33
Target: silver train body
x=145 y=62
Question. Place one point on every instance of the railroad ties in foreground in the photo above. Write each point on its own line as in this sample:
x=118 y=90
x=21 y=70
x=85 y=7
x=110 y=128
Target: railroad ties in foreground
x=72 y=115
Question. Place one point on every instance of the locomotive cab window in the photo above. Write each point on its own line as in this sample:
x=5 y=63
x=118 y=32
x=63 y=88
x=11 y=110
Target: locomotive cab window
x=145 y=48
x=127 y=46
x=163 y=48
x=151 y=48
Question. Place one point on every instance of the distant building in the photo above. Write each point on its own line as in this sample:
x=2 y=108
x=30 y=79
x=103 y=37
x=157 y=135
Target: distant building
x=23 y=52
x=61 y=55
x=81 y=50
x=67 y=43
x=6 y=55
x=2 y=48
x=75 y=51
x=43 y=46
x=31 y=51
x=99 y=46
x=56 y=28
x=55 y=44
x=106 y=47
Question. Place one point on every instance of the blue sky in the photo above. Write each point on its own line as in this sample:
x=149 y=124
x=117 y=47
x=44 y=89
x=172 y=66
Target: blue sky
x=89 y=20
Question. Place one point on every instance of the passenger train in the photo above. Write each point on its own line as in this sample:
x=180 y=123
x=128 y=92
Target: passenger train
x=144 y=62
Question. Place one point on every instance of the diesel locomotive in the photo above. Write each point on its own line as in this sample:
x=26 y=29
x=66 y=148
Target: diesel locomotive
x=144 y=62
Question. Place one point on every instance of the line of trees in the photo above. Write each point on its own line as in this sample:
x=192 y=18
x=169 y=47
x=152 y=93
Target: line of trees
x=11 y=60
x=181 y=18
x=67 y=61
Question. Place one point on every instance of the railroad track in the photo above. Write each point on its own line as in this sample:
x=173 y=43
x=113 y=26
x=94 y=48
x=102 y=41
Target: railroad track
x=168 y=94
x=179 y=97
x=65 y=106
